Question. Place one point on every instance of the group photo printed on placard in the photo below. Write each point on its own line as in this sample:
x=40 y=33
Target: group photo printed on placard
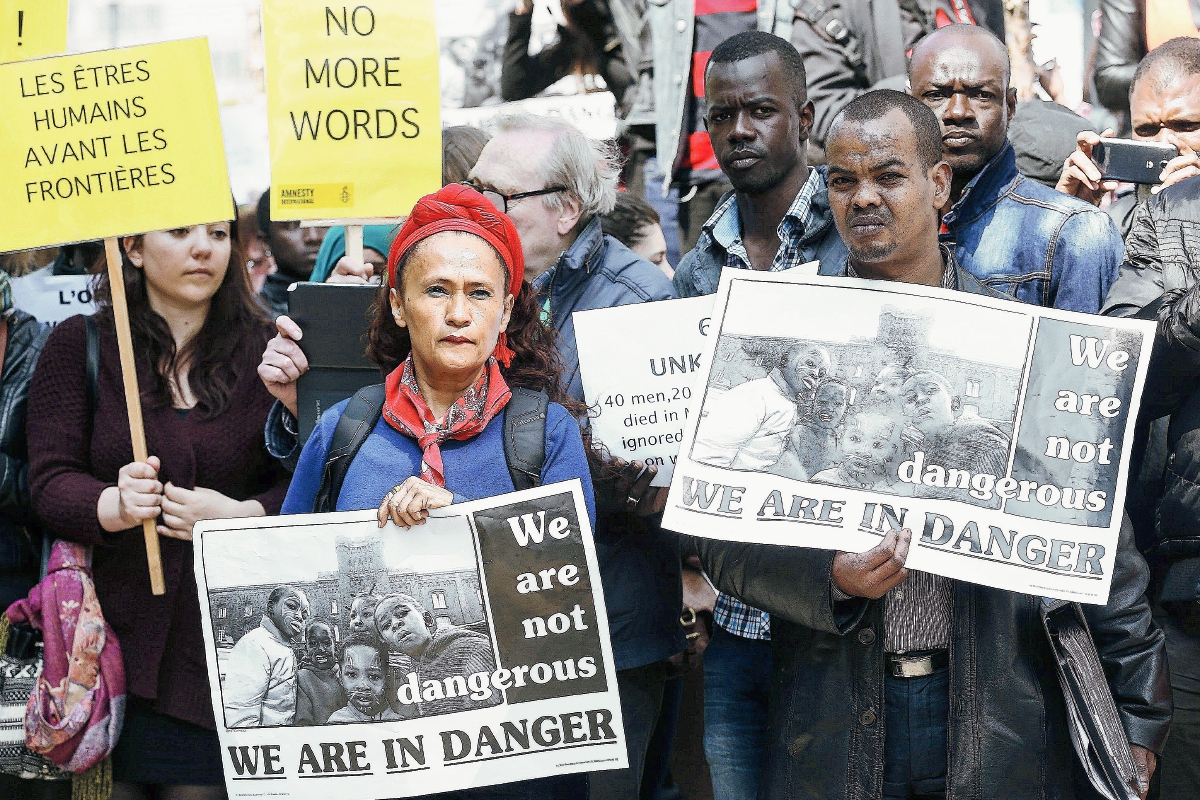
x=467 y=651
x=997 y=432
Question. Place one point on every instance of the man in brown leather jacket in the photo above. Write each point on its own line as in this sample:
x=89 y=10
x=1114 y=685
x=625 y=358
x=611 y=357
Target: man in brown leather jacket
x=976 y=711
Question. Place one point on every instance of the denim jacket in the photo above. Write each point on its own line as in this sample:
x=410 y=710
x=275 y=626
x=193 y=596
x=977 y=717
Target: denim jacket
x=1032 y=242
x=597 y=271
x=699 y=271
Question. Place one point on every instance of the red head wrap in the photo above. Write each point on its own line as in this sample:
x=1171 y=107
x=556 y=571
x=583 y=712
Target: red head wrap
x=461 y=208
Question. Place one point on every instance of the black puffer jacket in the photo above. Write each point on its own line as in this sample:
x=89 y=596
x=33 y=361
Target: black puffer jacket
x=1162 y=265
x=1008 y=726
x=1122 y=44
x=523 y=75
x=18 y=561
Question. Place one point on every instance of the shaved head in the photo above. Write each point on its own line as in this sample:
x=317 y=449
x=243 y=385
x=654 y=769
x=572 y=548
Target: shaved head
x=1169 y=63
x=957 y=35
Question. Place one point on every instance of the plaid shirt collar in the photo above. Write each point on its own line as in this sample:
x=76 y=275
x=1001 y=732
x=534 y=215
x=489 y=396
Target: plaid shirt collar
x=724 y=228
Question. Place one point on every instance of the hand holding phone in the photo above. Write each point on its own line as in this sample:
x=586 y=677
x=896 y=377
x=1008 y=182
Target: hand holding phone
x=1185 y=165
x=1132 y=161
x=1080 y=176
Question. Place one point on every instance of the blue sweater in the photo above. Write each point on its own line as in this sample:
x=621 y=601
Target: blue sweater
x=474 y=468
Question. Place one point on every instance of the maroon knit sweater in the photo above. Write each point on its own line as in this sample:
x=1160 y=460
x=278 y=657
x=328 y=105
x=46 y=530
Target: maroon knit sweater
x=74 y=458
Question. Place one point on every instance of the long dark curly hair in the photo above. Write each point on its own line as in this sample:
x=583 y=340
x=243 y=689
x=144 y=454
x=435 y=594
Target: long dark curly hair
x=536 y=364
x=231 y=341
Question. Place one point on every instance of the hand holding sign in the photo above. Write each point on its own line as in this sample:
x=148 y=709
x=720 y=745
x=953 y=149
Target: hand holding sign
x=107 y=144
x=877 y=571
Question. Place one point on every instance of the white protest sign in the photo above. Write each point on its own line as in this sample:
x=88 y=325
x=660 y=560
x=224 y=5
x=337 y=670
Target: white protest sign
x=836 y=409
x=488 y=662
x=640 y=366
x=52 y=298
x=595 y=113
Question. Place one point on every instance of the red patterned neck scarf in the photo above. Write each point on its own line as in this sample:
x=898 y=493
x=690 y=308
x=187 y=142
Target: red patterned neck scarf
x=407 y=412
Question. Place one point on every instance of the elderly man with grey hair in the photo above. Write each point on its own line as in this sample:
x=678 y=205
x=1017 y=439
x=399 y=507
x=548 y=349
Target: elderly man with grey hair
x=555 y=183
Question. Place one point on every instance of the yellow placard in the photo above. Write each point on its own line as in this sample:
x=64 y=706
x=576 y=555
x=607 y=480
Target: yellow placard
x=32 y=28
x=354 y=107
x=110 y=143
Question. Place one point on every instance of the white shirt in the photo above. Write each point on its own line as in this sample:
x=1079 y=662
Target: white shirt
x=260 y=680
x=746 y=427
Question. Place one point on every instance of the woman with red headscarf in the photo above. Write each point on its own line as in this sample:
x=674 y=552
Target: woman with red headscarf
x=456 y=329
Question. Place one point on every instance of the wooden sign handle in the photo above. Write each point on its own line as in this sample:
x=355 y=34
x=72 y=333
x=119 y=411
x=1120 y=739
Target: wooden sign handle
x=133 y=403
x=354 y=242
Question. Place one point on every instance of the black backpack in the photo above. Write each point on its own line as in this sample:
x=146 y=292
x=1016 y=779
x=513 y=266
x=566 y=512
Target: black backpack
x=524 y=440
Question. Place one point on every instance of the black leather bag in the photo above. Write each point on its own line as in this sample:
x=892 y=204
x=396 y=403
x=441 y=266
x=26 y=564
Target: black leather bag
x=1096 y=730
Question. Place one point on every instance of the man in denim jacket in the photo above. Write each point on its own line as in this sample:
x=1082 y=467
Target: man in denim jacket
x=1014 y=234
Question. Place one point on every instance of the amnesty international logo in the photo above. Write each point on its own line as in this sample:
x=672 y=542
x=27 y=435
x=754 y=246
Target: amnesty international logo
x=317 y=195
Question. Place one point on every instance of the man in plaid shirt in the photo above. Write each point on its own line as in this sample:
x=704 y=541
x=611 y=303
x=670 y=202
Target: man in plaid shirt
x=777 y=217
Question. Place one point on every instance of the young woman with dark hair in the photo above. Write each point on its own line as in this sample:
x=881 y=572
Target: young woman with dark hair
x=197 y=334
x=456 y=329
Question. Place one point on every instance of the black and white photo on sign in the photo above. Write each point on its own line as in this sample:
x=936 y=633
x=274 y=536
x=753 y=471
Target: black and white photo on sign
x=464 y=652
x=927 y=390
x=348 y=644
x=835 y=410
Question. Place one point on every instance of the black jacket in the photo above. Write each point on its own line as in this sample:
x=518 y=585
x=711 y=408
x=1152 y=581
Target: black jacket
x=523 y=75
x=17 y=557
x=1008 y=726
x=1122 y=44
x=1162 y=262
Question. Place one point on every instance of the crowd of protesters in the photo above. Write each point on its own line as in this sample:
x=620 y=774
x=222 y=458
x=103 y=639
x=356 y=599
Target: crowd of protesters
x=881 y=139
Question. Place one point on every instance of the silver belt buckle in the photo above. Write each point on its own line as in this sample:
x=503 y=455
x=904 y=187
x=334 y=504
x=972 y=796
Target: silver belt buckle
x=912 y=667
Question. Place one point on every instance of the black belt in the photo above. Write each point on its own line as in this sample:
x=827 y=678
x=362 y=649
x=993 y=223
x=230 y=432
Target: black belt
x=918 y=665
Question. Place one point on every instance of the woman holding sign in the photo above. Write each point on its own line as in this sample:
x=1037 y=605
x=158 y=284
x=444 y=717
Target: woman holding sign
x=458 y=334
x=197 y=333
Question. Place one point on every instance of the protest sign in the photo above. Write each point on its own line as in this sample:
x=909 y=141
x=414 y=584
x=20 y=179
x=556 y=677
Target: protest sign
x=52 y=298
x=594 y=113
x=640 y=365
x=834 y=410
x=31 y=29
x=106 y=144
x=110 y=143
x=353 y=107
x=469 y=651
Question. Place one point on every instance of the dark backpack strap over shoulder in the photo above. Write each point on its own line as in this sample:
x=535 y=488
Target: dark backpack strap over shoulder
x=354 y=426
x=525 y=437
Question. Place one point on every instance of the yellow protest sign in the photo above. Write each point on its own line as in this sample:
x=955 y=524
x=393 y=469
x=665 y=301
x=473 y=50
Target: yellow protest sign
x=354 y=107
x=110 y=143
x=32 y=28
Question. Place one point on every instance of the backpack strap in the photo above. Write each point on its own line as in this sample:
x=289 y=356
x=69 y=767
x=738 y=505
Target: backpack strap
x=354 y=426
x=524 y=440
x=525 y=437
x=92 y=386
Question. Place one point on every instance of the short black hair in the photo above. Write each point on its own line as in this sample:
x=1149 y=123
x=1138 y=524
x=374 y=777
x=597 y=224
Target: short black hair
x=262 y=213
x=629 y=219
x=749 y=44
x=364 y=640
x=312 y=623
x=1169 y=62
x=279 y=592
x=881 y=102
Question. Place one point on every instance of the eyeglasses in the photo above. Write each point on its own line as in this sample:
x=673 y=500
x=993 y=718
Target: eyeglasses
x=501 y=201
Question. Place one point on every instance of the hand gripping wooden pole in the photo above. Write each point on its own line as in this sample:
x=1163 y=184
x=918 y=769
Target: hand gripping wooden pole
x=133 y=402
